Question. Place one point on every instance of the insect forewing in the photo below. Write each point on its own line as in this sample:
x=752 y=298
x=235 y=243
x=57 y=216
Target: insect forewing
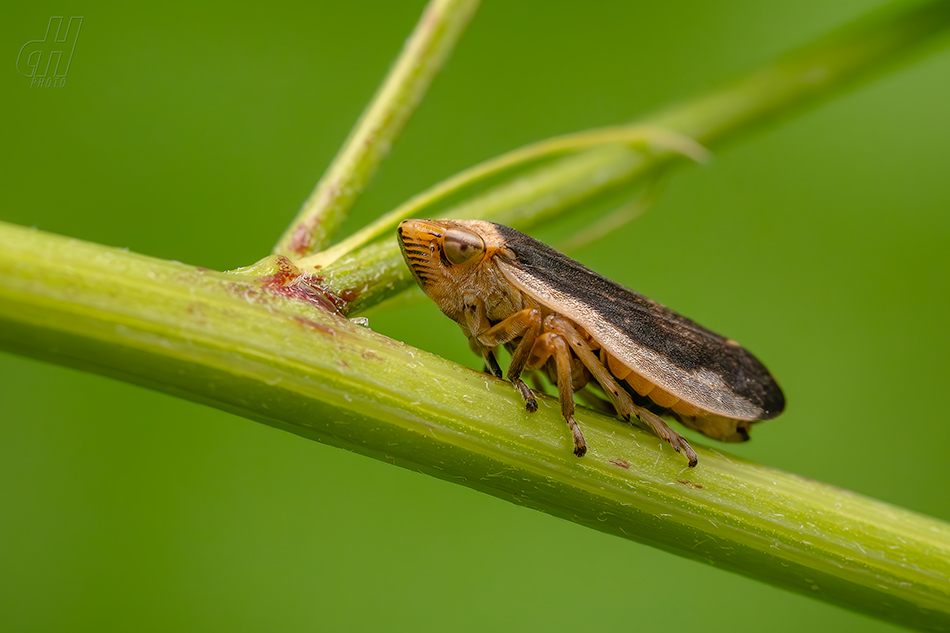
x=666 y=348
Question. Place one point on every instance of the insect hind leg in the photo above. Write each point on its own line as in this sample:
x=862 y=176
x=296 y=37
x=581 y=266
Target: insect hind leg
x=619 y=396
x=662 y=430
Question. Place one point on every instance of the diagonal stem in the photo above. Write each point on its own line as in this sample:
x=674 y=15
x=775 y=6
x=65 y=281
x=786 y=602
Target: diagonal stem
x=265 y=344
x=427 y=49
x=375 y=272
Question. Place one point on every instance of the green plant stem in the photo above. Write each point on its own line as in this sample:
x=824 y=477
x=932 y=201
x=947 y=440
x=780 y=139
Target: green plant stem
x=859 y=51
x=818 y=71
x=376 y=272
x=635 y=135
x=426 y=50
x=265 y=344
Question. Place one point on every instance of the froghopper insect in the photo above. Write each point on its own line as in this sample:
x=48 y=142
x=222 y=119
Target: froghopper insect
x=558 y=317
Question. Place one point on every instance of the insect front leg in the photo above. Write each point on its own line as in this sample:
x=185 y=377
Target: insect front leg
x=473 y=322
x=551 y=344
x=619 y=396
x=526 y=324
x=491 y=363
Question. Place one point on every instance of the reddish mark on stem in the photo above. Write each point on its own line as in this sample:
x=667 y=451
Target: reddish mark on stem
x=689 y=483
x=620 y=462
x=349 y=294
x=313 y=325
x=301 y=239
x=291 y=282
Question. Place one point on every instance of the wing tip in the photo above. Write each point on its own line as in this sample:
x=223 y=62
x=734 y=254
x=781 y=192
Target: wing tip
x=773 y=402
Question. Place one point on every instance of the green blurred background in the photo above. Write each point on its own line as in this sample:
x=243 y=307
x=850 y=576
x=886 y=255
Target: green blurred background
x=195 y=134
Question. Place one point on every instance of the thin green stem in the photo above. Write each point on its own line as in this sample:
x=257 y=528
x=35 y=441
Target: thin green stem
x=426 y=50
x=632 y=135
x=377 y=271
x=374 y=273
x=859 y=51
x=266 y=344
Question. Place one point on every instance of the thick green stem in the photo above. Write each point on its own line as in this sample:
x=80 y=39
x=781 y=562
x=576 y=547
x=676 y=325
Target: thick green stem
x=425 y=52
x=266 y=343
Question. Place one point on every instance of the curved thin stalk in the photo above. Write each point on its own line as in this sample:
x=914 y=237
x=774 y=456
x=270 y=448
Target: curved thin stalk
x=375 y=272
x=632 y=135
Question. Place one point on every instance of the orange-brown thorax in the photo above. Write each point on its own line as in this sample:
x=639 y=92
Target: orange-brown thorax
x=454 y=263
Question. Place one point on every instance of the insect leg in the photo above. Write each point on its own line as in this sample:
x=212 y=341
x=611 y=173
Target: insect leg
x=473 y=321
x=619 y=396
x=491 y=363
x=661 y=429
x=551 y=344
x=526 y=324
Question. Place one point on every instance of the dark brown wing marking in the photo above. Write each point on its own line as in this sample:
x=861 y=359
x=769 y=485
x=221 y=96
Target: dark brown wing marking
x=668 y=349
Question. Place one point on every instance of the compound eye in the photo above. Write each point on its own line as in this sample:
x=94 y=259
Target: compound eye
x=461 y=246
